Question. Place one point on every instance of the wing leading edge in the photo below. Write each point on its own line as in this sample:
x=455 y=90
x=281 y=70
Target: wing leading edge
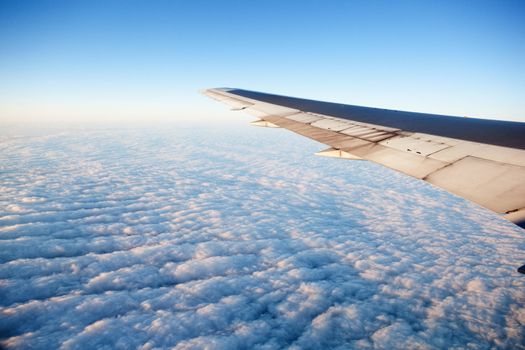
x=480 y=160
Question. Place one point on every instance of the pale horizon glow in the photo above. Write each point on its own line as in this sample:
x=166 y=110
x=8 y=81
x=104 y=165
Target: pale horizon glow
x=65 y=61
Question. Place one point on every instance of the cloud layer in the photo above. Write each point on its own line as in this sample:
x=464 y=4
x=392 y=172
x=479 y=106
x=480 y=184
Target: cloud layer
x=240 y=238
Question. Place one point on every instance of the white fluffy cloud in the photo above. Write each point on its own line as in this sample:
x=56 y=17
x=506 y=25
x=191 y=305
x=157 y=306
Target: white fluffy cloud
x=239 y=238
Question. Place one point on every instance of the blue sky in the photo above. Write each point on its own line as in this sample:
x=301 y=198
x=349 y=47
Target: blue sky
x=144 y=60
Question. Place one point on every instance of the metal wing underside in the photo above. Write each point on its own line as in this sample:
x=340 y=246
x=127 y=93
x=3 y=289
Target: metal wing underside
x=481 y=160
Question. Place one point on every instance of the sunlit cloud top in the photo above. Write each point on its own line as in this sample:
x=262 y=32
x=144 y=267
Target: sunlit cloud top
x=139 y=239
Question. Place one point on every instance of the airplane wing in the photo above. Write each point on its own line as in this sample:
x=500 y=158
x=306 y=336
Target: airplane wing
x=481 y=160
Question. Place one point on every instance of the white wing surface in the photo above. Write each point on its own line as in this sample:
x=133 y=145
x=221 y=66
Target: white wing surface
x=481 y=160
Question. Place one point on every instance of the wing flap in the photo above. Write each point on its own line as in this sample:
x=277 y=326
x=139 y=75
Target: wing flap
x=410 y=164
x=494 y=185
